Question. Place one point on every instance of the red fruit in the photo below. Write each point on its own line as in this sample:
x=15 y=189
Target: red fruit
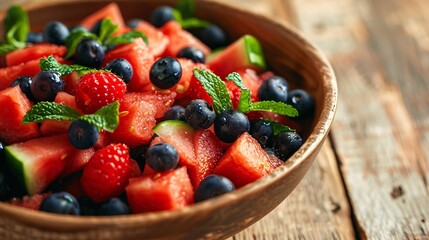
x=31 y=202
x=160 y=191
x=14 y=107
x=111 y=11
x=34 y=52
x=135 y=169
x=98 y=89
x=157 y=41
x=250 y=80
x=244 y=162
x=107 y=172
x=77 y=160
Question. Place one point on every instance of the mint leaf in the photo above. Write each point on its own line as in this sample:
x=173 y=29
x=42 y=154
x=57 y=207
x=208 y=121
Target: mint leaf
x=184 y=14
x=6 y=48
x=216 y=88
x=50 y=63
x=275 y=107
x=74 y=39
x=245 y=101
x=49 y=110
x=186 y=8
x=189 y=23
x=107 y=28
x=16 y=18
x=125 y=38
x=278 y=128
x=106 y=117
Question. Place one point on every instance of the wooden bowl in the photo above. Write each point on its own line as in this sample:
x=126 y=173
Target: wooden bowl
x=288 y=53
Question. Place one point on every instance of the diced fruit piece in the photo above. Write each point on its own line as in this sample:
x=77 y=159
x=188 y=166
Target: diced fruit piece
x=38 y=162
x=9 y=74
x=213 y=186
x=135 y=169
x=77 y=161
x=54 y=127
x=208 y=151
x=14 y=107
x=157 y=41
x=246 y=52
x=34 y=52
x=161 y=101
x=180 y=38
x=141 y=59
x=31 y=202
x=135 y=121
x=244 y=162
x=250 y=80
x=161 y=191
x=98 y=89
x=107 y=172
x=111 y=11
x=24 y=83
x=60 y=202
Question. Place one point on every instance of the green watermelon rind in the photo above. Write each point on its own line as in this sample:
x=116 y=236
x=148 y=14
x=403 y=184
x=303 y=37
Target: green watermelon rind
x=172 y=127
x=254 y=51
x=16 y=162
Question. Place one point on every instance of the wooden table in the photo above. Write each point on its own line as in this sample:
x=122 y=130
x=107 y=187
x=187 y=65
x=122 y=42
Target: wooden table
x=370 y=179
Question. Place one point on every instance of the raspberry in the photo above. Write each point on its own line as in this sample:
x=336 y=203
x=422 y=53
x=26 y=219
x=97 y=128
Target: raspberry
x=107 y=172
x=98 y=89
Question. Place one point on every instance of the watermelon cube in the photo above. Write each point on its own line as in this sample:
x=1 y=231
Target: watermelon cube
x=160 y=191
x=34 y=52
x=111 y=11
x=157 y=41
x=244 y=162
x=14 y=107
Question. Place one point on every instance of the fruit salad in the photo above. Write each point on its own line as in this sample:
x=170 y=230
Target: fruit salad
x=113 y=117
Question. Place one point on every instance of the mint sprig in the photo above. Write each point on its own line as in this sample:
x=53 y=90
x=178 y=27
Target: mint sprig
x=50 y=63
x=216 y=88
x=76 y=35
x=245 y=101
x=125 y=38
x=184 y=14
x=16 y=27
x=106 y=118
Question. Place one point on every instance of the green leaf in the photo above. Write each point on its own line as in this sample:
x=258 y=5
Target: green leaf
x=278 y=128
x=275 y=107
x=10 y=37
x=50 y=63
x=216 y=88
x=49 y=110
x=254 y=51
x=107 y=28
x=6 y=48
x=245 y=101
x=125 y=38
x=16 y=16
x=74 y=39
x=106 y=117
x=186 y=8
x=189 y=23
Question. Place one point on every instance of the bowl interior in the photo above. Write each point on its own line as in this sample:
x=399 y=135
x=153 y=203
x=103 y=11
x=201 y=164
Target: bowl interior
x=288 y=54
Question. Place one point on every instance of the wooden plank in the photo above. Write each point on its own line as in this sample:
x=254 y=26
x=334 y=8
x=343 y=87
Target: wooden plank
x=378 y=132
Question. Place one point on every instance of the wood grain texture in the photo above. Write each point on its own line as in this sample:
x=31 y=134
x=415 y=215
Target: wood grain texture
x=379 y=52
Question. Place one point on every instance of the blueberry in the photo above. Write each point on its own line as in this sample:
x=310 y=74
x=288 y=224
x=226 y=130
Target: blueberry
x=199 y=114
x=55 y=32
x=287 y=143
x=162 y=157
x=175 y=113
x=113 y=206
x=89 y=53
x=133 y=23
x=82 y=134
x=45 y=86
x=96 y=27
x=161 y=15
x=2 y=146
x=213 y=186
x=24 y=83
x=262 y=131
x=274 y=88
x=302 y=101
x=87 y=206
x=194 y=54
x=165 y=72
x=121 y=68
x=61 y=202
x=34 y=37
x=230 y=124
x=213 y=36
x=139 y=155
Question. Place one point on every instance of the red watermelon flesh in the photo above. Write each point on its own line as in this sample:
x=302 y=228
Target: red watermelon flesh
x=77 y=160
x=136 y=121
x=38 y=162
x=208 y=151
x=160 y=191
x=160 y=100
x=180 y=38
x=32 y=202
x=54 y=127
x=141 y=59
x=34 y=52
x=244 y=162
x=111 y=11
x=250 y=80
x=157 y=41
x=14 y=107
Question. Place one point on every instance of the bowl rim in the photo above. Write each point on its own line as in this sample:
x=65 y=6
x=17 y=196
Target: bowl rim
x=315 y=138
